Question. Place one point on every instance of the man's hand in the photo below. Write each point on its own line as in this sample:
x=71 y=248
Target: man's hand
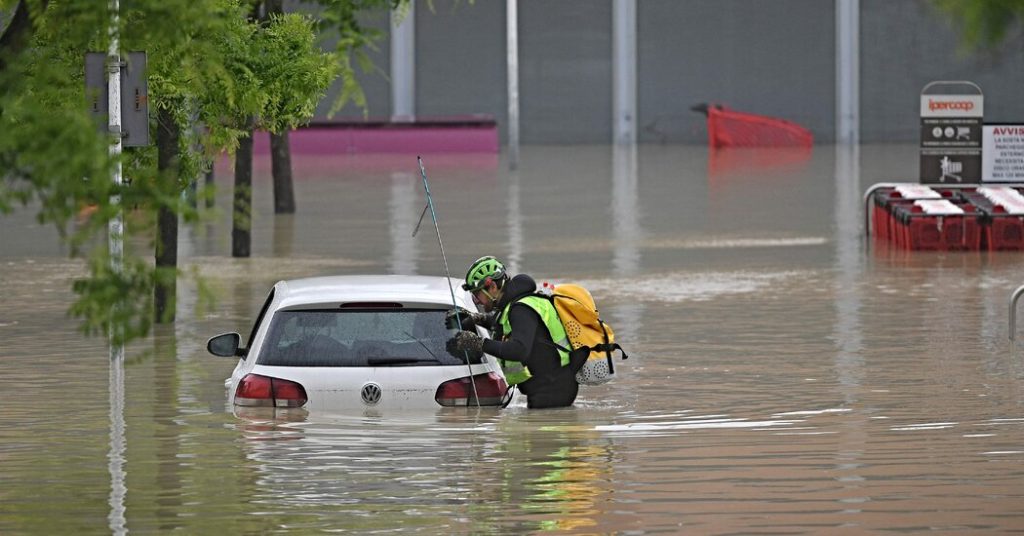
x=468 y=320
x=464 y=344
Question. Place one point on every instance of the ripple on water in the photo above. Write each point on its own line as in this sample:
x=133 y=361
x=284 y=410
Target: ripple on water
x=676 y=287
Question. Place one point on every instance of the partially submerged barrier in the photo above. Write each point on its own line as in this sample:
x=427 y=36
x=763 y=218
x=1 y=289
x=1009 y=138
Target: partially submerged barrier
x=962 y=217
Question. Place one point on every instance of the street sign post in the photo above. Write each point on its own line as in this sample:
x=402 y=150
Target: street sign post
x=134 y=96
x=951 y=121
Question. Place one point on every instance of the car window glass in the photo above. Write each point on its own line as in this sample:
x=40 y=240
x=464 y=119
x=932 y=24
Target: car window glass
x=357 y=338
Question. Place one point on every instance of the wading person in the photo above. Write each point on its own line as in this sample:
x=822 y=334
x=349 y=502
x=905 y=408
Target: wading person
x=526 y=328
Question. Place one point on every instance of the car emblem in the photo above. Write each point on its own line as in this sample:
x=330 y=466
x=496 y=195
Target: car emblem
x=371 y=394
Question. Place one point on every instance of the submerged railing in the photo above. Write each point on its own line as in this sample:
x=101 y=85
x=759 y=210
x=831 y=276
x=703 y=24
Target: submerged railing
x=1013 y=310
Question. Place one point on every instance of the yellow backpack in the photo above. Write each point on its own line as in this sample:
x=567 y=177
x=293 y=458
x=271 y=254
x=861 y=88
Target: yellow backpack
x=592 y=340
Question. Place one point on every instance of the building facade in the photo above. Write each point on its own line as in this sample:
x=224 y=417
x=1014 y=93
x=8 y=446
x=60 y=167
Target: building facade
x=776 y=58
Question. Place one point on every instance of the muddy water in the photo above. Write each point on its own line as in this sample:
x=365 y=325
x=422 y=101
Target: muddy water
x=785 y=376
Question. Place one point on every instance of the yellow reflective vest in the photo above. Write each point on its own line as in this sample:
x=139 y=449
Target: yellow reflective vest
x=515 y=371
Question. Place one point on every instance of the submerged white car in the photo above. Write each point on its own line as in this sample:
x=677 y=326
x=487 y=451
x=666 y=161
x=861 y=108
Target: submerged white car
x=350 y=342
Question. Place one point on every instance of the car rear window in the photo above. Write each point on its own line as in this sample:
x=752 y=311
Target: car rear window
x=357 y=338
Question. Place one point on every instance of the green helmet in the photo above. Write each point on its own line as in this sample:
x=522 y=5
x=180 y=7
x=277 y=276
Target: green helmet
x=480 y=270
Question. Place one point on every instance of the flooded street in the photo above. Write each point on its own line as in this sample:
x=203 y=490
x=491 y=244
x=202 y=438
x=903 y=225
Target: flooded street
x=785 y=375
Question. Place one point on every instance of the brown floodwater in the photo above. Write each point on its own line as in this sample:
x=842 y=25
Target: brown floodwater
x=785 y=375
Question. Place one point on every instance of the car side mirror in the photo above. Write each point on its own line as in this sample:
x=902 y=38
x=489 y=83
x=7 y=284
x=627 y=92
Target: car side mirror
x=225 y=345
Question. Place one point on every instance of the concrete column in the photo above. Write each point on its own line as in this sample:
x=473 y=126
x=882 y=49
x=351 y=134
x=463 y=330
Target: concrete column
x=847 y=71
x=403 y=63
x=624 y=71
x=512 y=62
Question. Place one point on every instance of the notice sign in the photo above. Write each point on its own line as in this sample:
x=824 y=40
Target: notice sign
x=1003 y=150
x=951 y=138
x=134 y=95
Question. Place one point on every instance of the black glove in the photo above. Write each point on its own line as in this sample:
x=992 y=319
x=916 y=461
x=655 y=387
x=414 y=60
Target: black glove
x=469 y=320
x=466 y=343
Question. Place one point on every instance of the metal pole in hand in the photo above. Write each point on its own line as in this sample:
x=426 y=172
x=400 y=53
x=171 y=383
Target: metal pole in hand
x=447 y=273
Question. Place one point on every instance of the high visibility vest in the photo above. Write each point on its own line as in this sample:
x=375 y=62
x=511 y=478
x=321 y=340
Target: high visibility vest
x=515 y=371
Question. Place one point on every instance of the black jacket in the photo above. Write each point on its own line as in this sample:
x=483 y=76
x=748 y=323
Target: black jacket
x=552 y=385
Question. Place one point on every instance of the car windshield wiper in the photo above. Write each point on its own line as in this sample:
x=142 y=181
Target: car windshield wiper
x=407 y=334
x=398 y=360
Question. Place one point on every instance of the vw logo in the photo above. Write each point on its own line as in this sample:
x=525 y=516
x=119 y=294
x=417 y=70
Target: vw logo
x=371 y=394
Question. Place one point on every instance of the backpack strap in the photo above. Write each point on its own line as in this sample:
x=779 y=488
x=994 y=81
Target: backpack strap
x=608 y=348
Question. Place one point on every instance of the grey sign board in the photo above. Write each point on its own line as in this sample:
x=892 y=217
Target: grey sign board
x=134 y=95
x=951 y=132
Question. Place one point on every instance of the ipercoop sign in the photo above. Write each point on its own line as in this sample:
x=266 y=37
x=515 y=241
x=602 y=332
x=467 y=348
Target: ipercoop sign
x=951 y=138
x=938 y=105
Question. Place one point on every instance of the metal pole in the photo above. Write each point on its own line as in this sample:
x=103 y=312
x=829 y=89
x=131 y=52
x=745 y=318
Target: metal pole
x=624 y=71
x=403 y=64
x=1013 y=310
x=115 y=228
x=447 y=273
x=847 y=71
x=512 y=62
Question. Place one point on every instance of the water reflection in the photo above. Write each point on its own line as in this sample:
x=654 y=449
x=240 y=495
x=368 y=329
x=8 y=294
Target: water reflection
x=554 y=471
x=514 y=221
x=167 y=394
x=627 y=237
x=849 y=361
x=283 y=235
x=849 y=268
x=490 y=470
x=118 y=442
x=405 y=205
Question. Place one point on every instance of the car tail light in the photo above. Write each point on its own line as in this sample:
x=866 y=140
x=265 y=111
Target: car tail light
x=256 y=390
x=490 y=388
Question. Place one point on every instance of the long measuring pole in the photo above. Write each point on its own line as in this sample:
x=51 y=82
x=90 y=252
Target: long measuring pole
x=447 y=273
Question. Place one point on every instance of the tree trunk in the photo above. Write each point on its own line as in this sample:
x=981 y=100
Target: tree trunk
x=281 y=165
x=18 y=33
x=209 y=187
x=280 y=151
x=165 y=289
x=241 y=235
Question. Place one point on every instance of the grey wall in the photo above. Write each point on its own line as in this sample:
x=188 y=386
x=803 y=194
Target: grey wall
x=375 y=83
x=565 y=71
x=906 y=44
x=775 y=58
x=770 y=57
x=460 y=58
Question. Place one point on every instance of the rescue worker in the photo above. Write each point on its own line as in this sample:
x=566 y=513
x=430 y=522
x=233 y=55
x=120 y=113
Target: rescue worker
x=527 y=329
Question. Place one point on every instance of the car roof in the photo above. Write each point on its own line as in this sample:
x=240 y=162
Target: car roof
x=369 y=288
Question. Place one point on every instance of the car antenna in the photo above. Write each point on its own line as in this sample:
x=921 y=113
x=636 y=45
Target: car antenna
x=447 y=273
